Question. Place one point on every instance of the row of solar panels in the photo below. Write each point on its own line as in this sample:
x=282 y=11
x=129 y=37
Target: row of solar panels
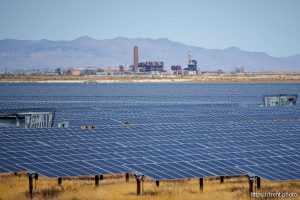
x=70 y=152
x=123 y=89
x=172 y=131
x=147 y=114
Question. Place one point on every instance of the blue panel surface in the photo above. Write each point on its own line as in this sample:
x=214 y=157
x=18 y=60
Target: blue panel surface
x=164 y=131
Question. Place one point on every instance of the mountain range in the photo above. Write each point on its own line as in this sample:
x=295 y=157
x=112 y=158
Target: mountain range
x=89 y=52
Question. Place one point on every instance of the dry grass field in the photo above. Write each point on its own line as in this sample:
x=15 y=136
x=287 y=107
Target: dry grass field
x=114 y=187
x=259 y=78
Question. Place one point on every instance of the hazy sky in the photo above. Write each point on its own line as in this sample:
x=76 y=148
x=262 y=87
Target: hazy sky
x=271 y=26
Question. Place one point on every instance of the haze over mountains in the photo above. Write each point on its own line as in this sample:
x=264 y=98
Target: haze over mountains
x=89 y=52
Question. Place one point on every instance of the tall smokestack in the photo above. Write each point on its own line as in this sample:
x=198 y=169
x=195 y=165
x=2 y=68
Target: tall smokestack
x=135 y=58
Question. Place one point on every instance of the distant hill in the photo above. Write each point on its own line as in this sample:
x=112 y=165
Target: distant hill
x=86 y=51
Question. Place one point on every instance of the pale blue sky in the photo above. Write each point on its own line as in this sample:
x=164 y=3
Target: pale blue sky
x=271 y=26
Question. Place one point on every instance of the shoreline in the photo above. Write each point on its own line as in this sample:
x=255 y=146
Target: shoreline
x=196 y=82
x=283 y=78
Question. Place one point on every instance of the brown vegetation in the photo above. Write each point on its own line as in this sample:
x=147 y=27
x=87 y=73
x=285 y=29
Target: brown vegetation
x=157 y=78
x=115 y=187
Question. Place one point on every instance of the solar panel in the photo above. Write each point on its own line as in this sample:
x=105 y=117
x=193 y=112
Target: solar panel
x=164 y=131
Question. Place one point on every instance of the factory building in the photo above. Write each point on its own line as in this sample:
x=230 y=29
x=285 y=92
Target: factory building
x=148 y=66
x=239 y=70
x=177 y=70
x=112 y=71
x=151 y=66
x=191 y=66
x=78 y=71
x=63 y=71
x=27 y=72
x=75 y=72
x=135 y=58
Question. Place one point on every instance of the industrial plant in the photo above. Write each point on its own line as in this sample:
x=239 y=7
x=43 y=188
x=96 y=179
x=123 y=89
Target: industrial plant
x=146 y=66
x=140 y=68
x=157 y=67
x=150 y=68
x=191 y=68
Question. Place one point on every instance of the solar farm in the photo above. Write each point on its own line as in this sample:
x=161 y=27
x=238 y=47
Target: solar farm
x=157 y=131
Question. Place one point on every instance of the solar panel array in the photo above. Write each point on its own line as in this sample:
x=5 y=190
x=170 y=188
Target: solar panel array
x=164 y=131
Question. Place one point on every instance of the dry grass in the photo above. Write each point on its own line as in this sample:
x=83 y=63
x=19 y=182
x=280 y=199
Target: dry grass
x=115 y=187
x=260 y=78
